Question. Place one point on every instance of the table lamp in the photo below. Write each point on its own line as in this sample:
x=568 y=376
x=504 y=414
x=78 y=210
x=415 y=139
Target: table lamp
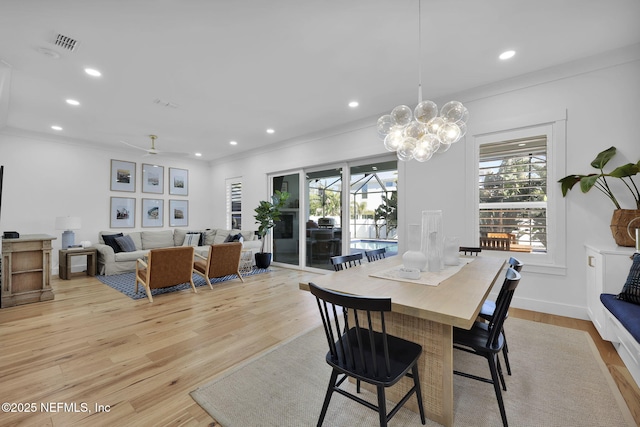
x=68 y=223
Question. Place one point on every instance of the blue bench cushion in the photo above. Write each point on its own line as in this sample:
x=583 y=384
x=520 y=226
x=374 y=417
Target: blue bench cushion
x=627 y=313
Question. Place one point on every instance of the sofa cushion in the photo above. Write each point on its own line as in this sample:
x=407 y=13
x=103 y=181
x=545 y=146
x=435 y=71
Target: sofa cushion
x=627 y=313
x=631 y=289
x=248 y=235
x=157 y=239
x=221 y=236
x=110 y=239
x=130 y=256
x=192 y=239
x=126 y=243
x=208 y=236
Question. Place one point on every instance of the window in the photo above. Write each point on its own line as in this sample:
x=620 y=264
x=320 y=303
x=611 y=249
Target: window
x=522 y=198
x=512 y=184
x=234 y=203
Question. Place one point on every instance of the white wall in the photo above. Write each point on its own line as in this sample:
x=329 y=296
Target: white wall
x=47 y=178
x=601 y=96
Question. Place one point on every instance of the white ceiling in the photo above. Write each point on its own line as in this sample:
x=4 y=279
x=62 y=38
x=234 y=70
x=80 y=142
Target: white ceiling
x=237 y=67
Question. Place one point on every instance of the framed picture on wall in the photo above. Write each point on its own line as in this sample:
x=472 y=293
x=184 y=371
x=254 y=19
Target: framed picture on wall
x=123 y=211
x=152 y=213
x=123 y=176
x=178 y=213
x=152 y=178
x=178 y=182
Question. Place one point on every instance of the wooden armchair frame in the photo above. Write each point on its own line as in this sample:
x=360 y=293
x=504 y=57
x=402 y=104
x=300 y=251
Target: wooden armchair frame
x=164 y=268
x=223 y=260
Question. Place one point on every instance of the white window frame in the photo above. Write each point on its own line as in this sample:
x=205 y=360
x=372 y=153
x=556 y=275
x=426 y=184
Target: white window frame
x=230 y=182
x=552 y=124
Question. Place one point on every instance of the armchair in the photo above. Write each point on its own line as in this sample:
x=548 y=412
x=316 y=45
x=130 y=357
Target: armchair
x=165 y=267
x=223 y=260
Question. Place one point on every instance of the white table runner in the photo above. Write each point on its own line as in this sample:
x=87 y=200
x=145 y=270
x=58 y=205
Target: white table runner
x=426 y=277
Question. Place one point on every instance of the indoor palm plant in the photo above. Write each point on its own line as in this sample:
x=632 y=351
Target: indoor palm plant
x=267 y=214
x=621 y=217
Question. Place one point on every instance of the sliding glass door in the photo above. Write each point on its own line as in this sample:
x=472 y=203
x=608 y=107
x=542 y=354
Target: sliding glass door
x=286 y=233
x=324 y=219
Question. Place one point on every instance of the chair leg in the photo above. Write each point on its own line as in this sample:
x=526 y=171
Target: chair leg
x=239 y=276
x=382 y=406
x=193 y=286
x=327 y=398
x=505 y=350
x=416 y=383
x=496 y=386
x=499 y=366
x=148 y=289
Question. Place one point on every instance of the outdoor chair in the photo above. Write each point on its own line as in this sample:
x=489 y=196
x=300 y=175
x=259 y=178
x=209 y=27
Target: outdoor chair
x=487 y=340
x=165 y=267
x=342 y=262
x=468 y=250
x=359 y=352
x=375 y=254
x=489 y=307
x=223 y=260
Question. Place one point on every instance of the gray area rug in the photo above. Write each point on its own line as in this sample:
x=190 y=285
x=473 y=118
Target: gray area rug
x=558 y=379
x=126 y=283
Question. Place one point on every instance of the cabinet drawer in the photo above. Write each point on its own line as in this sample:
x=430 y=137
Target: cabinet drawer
x=621 y=335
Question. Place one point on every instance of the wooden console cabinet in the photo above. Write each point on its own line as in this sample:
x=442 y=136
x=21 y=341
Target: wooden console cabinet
x=26 y=270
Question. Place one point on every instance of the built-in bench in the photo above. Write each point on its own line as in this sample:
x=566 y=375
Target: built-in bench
x=623 y=326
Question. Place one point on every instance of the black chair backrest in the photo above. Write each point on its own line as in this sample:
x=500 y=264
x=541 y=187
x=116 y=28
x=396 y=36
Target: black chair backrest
x=468 y=250
x=350 y=339
x=375 y=254
x=515 y=264
x=342 y=262
x=511 y=280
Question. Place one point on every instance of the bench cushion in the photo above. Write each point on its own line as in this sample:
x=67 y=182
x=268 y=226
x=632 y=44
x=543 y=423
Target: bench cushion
x=627 y=313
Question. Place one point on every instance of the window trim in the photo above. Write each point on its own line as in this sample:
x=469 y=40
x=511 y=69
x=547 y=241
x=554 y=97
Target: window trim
x=553 y=125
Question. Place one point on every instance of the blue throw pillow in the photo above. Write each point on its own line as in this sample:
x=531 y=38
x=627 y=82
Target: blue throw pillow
x=631 y=289
x=110 y=239
x=126 y=243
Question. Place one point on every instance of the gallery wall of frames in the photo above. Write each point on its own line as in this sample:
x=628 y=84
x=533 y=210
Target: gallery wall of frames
x=153 y=209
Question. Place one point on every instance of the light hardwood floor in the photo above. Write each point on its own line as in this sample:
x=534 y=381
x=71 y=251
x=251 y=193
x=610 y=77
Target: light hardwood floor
x=95 y=346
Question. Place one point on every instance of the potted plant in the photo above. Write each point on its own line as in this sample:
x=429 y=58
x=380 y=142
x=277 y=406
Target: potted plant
x=621 y=217
x=267 y=214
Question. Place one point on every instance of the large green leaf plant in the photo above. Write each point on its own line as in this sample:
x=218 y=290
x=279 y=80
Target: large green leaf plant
x=268 y=213
x=599 y=180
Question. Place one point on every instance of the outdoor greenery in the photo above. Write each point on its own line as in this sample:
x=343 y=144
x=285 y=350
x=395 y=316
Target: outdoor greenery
x=268 y=213
x=515 y=180
x=387 y=214
x=599 y=180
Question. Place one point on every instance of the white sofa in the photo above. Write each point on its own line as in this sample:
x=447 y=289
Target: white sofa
x=112 y=262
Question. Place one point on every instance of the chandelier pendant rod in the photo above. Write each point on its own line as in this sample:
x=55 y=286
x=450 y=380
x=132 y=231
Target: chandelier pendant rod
x=419 y=51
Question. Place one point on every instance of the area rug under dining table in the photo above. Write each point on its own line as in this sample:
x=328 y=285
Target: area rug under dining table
x=558 y=379
x=126 y=283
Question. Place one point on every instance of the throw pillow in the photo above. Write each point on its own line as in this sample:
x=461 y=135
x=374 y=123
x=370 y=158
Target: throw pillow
x=234 y=238
x=110 y=239
x=631 y=289
x=192 y=239
x=126 y=243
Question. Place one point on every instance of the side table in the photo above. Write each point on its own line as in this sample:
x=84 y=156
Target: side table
x=246 y=262
x=65 y=256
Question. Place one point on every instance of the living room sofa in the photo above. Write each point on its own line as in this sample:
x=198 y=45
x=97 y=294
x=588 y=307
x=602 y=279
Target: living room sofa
x=112 y=259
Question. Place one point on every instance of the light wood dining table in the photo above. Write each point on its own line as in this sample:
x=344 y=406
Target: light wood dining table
x=426 y=315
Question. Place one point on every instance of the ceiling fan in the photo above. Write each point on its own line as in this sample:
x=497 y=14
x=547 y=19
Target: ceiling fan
x=151 y=151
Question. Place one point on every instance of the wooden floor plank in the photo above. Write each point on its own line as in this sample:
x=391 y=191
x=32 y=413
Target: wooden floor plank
x=94 y=345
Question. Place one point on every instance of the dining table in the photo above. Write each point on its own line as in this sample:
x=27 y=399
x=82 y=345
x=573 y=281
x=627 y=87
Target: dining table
x=424 y=311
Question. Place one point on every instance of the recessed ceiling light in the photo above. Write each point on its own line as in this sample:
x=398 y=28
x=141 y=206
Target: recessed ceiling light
x=55 y=127
x=353 y=104
x=72 y=102
x=270 y=130
x=198 y=154
x=92 y=72
x=507 y=54
x=233 y=142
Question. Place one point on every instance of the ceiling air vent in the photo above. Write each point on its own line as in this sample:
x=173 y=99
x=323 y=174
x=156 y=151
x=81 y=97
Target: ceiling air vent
x=66 y=42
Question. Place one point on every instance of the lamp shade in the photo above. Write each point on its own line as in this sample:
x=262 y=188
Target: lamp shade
x=68 y=223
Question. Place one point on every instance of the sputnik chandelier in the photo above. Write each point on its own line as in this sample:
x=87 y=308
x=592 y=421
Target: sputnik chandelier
x=421 y=133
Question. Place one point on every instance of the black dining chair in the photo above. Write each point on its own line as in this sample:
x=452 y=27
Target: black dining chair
x=468 y=250
x=358 y=351
x=375 y=254
x=342 y=262
x=489 y=308
x=487 y=339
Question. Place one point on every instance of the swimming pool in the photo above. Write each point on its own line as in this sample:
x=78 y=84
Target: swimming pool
x=369 y=244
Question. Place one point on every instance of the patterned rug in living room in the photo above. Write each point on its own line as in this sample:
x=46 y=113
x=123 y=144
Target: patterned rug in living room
x=126 y=283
